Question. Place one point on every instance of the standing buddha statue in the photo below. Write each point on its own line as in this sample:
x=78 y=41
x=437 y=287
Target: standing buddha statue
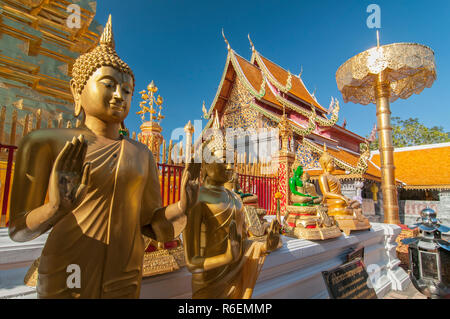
x=347 y=212
x=103 y=188
x=224 y=263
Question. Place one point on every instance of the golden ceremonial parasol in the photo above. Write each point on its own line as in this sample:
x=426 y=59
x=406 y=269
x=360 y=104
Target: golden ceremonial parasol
x=381 y=75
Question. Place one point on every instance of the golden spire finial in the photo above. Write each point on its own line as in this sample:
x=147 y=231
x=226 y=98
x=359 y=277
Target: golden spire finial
x=378 y=38
x=148 y=98
x=251 y=43
x=107 y=37
x=226 y=41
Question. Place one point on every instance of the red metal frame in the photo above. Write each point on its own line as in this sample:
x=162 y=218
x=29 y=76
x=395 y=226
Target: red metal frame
x=170 y=173
x=262 y=186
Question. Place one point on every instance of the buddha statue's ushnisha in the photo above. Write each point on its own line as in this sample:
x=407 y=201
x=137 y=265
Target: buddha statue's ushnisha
x=103 y=189
x=347 y=212
x=223 y=262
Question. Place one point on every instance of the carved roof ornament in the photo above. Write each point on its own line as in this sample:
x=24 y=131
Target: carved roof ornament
x=226 y=41
x=251 y=43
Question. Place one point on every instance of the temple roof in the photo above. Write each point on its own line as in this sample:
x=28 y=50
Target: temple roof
x=273 y=89
x=263 y=81
x=279 y=76
x=421 y=167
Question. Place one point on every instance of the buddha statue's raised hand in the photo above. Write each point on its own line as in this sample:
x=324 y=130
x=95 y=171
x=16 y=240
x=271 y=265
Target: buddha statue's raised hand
x=189 y=186
x=273 y=236
x=69 y=178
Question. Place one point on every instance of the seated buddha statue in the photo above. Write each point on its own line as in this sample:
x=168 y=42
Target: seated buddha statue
x=305 y=218
x=303 y=192
x=257 y=226
x=224 y=263
x=247 y=198
x=347 y=212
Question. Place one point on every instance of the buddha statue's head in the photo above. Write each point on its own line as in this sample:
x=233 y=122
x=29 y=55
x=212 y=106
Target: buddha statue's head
x=305 y=177
x=102 y=84
x=326 y=161
x=216 y=170
x=298 y=172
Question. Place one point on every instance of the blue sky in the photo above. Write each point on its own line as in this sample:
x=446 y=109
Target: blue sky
x=179 y=45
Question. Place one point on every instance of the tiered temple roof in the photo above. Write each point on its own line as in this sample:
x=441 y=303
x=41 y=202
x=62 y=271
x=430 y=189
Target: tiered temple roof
x=255 y=94
x=37 y=51
x=422 y=167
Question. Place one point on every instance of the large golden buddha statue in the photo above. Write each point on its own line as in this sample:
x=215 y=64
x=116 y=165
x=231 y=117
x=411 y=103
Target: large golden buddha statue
x=224 y=263
x=347 y=212
x=103 y=189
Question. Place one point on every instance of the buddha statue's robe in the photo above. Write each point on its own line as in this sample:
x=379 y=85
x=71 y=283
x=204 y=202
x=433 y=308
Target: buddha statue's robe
x=208 y=238
x=307 y=189
x=103 y=234
x=336 y=206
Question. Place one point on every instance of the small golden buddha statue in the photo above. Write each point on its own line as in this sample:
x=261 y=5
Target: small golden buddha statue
x=103 y=189
x=224 y=263
x=305 y=218
x=347 y=212
x=257 y=226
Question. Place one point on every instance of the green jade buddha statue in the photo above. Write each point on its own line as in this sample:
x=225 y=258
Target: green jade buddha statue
x=302 y=194
x=305 y=217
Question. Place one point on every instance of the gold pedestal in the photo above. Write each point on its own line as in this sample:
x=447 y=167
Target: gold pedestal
x=351 y=223
x=162 y=260
x=310 y=222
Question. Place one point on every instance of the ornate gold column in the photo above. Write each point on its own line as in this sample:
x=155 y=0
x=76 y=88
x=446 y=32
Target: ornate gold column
x=151 y=136
x=284 y=160
x=386 y=147
x=189 y=130
x=380 y=76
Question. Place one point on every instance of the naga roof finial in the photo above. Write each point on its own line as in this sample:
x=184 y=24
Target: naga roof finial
x=251 y=43
x=226 y=41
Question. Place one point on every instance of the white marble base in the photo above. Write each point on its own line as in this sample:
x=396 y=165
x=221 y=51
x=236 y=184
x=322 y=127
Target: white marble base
x=15 y=259
x=292 y=272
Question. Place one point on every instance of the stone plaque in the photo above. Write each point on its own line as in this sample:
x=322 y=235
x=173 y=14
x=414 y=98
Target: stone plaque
x=349 y=281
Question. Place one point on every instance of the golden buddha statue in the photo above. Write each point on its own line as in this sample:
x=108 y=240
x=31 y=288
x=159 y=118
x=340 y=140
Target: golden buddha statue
x=347 y=212
x=305 y=217
x=103 y=189
x=257 y=226
x=224 y=263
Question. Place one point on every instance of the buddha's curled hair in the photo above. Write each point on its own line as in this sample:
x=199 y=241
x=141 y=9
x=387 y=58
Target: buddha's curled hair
x=103 y=55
